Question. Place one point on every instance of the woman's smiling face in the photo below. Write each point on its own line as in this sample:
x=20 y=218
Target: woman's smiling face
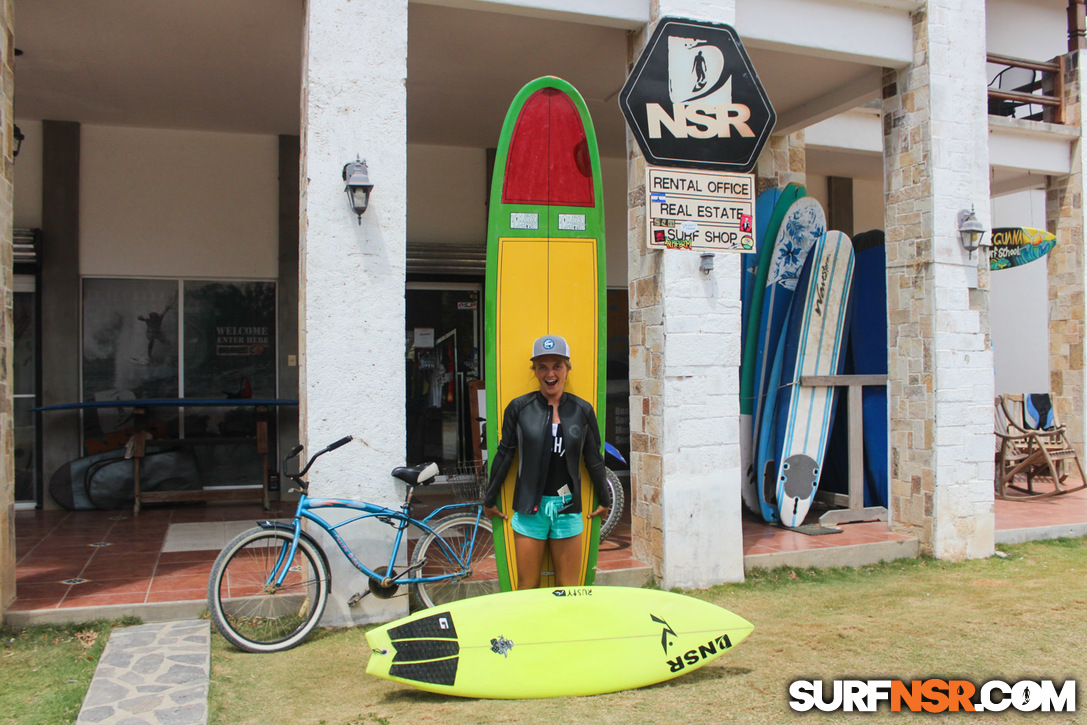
x=551 y=373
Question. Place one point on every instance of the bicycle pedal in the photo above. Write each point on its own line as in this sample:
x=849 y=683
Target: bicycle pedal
x=356 y=598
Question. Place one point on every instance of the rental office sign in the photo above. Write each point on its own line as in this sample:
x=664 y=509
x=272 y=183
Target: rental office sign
x=693 y=99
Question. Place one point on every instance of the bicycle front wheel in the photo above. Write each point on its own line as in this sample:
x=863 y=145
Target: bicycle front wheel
x=461 y=551
x=248 y=609
x=615 y=507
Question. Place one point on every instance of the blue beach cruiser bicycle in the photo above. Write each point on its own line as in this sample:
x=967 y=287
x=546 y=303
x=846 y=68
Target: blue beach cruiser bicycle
x=269 y=586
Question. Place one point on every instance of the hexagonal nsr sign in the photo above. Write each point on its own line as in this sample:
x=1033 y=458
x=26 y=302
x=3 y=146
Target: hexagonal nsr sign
x=694 y=99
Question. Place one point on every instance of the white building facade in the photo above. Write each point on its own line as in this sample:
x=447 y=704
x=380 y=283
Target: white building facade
x=227 y=166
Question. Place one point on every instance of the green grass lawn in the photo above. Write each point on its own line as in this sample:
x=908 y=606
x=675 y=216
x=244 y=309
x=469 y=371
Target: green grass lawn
x=45 y=671
x=1020 y=617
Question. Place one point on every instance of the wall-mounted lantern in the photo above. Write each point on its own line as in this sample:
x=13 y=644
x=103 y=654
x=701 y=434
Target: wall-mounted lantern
x=358 y=186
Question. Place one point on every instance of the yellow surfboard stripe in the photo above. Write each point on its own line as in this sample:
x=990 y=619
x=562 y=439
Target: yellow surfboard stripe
x=541 y=279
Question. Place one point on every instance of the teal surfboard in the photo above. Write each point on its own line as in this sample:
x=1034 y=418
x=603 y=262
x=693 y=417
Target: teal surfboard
x=785 y=199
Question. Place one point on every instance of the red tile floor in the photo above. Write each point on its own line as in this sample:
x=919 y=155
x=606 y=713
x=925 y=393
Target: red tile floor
x=120 y=559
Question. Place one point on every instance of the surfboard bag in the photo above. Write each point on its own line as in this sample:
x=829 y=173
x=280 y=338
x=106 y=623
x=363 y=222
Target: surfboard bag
x=105 y=481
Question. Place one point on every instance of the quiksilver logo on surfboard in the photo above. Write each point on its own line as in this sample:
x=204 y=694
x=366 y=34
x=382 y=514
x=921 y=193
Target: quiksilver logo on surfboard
x=667 y=634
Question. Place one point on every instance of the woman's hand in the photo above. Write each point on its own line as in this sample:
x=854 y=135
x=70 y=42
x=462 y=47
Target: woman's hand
x=493 y=512
x=598 y=511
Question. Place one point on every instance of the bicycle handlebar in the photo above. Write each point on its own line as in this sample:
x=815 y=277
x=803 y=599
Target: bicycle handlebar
x=342 y=442
x=298 y=449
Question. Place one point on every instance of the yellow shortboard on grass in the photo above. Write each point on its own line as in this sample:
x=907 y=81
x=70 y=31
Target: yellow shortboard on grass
x=545 y=275
x=553 y=642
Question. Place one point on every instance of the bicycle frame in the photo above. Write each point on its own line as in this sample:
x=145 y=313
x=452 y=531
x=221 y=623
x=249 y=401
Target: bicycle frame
x=399 y=520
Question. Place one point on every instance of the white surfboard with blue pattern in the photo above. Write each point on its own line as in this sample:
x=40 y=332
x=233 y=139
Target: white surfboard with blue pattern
x=813 y=346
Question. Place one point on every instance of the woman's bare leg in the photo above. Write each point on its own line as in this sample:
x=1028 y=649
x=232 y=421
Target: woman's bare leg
x=566 y=555
x=530 y=554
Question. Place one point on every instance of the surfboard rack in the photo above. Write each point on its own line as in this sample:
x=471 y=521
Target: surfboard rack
x=854 y=510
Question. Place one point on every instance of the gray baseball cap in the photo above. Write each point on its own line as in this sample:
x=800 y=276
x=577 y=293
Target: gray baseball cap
x=550 y=345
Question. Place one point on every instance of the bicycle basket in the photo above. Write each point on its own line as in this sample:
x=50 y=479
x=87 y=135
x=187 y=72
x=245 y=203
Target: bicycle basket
x=468 y=479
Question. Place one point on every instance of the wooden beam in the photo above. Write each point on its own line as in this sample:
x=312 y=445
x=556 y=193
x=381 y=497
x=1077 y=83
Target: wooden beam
x=1077 y=26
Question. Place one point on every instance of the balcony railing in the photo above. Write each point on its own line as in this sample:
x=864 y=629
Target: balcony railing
x=1027 y=89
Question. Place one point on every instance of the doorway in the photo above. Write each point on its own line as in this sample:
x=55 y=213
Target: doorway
x=443 y=356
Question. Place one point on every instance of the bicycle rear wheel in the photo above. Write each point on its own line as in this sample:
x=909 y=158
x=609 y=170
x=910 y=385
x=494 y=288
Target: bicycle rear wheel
x=615 y=510
x=457 y=532
x=257 y=616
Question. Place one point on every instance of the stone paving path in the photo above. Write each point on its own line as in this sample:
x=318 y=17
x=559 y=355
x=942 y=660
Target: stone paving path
x=152 y=673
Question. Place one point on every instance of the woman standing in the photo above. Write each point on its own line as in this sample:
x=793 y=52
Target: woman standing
x=553 y=431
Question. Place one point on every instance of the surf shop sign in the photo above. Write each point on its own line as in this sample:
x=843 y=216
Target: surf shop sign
x=694 y=100
x=700 y=210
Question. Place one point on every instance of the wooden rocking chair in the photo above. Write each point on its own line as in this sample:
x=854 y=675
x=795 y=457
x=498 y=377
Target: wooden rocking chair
x=1032 y=443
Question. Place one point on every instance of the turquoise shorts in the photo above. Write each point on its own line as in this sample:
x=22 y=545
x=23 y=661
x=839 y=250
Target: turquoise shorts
x=547 y=522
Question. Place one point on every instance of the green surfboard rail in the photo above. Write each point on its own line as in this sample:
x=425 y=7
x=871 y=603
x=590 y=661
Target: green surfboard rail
x=790 y=194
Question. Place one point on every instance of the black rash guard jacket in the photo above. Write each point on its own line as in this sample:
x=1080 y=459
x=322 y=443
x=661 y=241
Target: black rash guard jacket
x=526 y=428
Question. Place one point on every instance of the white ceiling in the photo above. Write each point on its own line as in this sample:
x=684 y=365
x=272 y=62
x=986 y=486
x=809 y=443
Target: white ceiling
x=236 y=66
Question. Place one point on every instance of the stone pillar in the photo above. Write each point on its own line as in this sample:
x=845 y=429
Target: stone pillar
x=352 y=274
x=1064 y=217
x=7 y=431
x=936 y=162
x=783 y=162
x=684 y=383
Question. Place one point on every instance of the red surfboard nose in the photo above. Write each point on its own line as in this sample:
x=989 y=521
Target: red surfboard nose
x=548 y=160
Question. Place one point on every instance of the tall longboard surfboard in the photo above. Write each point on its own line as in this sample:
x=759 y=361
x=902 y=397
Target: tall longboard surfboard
x=813 y=345
x=545 y=275
x=764 y=209
x=803 y=225
x=753 y=313
x=554 y=642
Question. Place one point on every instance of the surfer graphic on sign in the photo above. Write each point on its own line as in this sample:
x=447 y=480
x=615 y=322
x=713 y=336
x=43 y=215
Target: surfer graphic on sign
x=699 y=72
x=695 y=69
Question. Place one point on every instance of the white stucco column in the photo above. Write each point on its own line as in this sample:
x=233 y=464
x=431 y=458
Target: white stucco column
x=685 y=356
x=940 y=388
x=351 y=287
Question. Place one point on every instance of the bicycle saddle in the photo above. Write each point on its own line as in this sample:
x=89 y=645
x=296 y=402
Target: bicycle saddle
x=421 y=473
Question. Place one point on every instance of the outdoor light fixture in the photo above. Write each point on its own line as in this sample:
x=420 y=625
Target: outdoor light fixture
x=971 y=231
x=706 y=265
x=358 y=186
x=18 y=137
